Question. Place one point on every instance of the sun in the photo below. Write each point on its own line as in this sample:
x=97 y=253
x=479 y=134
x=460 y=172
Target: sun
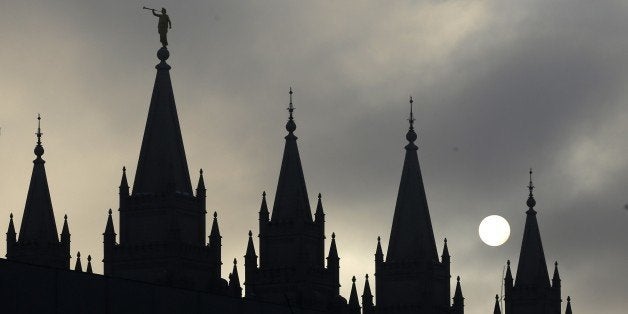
x=494 y=230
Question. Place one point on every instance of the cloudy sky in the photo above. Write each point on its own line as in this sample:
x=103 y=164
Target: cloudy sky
x=500 y=86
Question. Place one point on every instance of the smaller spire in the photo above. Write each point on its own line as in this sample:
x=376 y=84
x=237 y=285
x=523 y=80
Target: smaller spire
x=78 y=266
x=11 y=229
x=89 y=265
x=109 y=229
x=250 y=248
x=445 y=251
x=200 y=187
x=556 y=278
x=354 y=303
x=215 y=232
x=333 y=251
x=367 y=296
x=497 y=310
x=66 y=229
x=319 y=216
x=234 y=281
x=124 y=183
x=264 y=207
x=568 y=309
x=458 y=298
x=291 y=126
x=531 y=202
x=379 y=254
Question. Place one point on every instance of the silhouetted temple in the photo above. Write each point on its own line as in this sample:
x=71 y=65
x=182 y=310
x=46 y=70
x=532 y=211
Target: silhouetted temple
x=532 y=292
x=162 y=259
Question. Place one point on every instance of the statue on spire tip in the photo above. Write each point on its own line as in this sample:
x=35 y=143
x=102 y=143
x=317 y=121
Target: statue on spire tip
x=163 y=25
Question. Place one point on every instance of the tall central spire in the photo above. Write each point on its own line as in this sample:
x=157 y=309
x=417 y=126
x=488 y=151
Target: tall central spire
x=532 y=268
x=291 y=200
x=162 y=166
x=411 y=236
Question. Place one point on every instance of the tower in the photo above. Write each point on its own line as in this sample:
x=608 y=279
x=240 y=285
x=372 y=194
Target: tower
x=531 y=291
x=412 y=279
x=38 y=242
x=291 y=244
x=162 y=223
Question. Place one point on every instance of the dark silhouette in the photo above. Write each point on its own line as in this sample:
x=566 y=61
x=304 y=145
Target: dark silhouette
x=163 y=25
x=292 y=244
x=162 y=213
x=161 y=261
x=532 y=292
x=412 y=279
x=38 y=242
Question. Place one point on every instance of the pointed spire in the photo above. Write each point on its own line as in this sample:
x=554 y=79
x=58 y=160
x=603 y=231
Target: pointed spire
x=508 y=277
x=532 y=268
x=109 y=229
x=333 y=251
x=200 y=187
x=234 y=281
x=11 y=230
x=458 y=298
x=291 y=199
x=89 y=265
x=264 y=208
x=497 y=310
x=354 y=303
x=445 y=255
x=215 y=232
x=124 y=183
x=367 y=296
x=78 y=266
x=38 y=222
x=568 y=309
x=319 y=214
x=411 y=236
x=162 y=166
x=556 y=277
x=250 y=248
x=65 y=231
x=379 y=254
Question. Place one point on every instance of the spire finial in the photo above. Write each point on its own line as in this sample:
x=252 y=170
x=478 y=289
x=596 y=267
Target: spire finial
x=235 y=261
x=319 y=196
x=333 y=235
x=201 y=171
x=215 y=215
x=353 y=279
x=124 y=169
x=109 y=211
x=264 y=194
x=531 y=201
x=65 y=217
x=458 y=279
x=11 y=216
x=291 y=126
x=250 y=233
x=508 y=263
x=497 y=297
x=411 y=135
x=39 y=150
x=367 y=276
x=379 y=239
x=411 y=119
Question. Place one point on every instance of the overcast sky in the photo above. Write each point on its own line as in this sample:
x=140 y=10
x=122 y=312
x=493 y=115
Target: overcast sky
x=499 y=86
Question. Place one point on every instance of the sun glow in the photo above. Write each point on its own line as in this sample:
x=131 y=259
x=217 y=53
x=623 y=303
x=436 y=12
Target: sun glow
x=494 y=230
